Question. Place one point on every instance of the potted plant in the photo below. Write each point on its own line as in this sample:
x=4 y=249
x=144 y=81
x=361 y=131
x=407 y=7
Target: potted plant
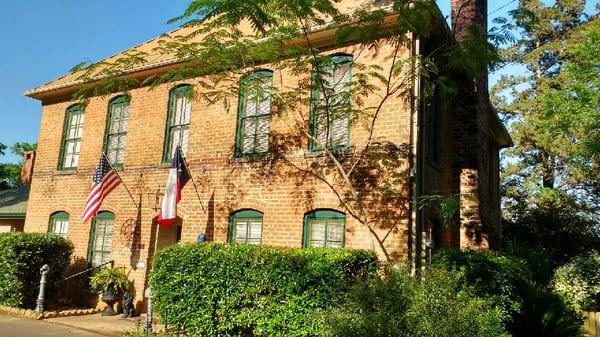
x=111 y=283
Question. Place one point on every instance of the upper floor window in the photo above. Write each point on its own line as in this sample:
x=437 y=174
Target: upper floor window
x=324 y=228
x=246 y=227
x=71 y=144
x=178 y=121
x=331 y=98
x=254 y=113
x=116 y=131
x=59 y=224
x=100 y=245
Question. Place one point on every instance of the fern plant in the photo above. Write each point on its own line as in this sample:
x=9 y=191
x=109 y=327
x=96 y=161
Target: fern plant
x=110 y=279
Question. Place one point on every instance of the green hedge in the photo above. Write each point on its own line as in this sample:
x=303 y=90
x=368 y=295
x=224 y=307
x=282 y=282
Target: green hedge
x=243 y=290
x=21 y=257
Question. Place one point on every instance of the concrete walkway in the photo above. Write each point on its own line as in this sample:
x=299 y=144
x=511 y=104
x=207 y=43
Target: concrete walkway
x=105 y=325
x=17 y=326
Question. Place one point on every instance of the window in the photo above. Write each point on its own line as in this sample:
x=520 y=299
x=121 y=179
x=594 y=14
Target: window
x=330 y=108
x=71 y=144
x=59 y=224
x=324 y=228
x=254 y=114
x=116 y=130
x=246 y=227
x=178 y=121
x=101 y=238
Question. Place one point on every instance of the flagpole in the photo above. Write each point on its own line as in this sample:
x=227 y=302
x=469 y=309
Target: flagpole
x=194 y=184
x=124 y=185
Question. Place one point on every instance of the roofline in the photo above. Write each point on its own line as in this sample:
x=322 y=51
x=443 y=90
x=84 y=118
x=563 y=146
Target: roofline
x=11 y=216
x=146 y=69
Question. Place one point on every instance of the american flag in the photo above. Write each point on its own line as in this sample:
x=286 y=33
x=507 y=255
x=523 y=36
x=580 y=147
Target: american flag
x=105 y=180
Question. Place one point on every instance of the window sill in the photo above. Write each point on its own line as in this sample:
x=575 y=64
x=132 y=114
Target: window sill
x=250 y=158
x=66 y=172
x=339 y=150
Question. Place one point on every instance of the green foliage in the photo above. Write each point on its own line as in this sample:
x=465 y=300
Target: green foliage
x=501 y=278
x=238 y=290
x=447 y=206
x=21 y=257
x=10 y=174
x=397 y=305
x=551 y=180
x=110 y=279
x=578 y=282
x=18 y=149
x=142 y=333
x=529 y=308
x=553 y=222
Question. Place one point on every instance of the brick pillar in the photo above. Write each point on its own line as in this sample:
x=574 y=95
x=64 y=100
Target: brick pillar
x=471 y=141
x=27 y=168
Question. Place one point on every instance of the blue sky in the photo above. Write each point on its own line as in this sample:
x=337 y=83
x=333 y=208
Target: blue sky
x=43 y=39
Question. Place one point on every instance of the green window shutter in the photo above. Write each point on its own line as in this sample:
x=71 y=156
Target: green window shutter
x=331 y=103
x=254 y=114
x=178 y=121
x=59 y=224
x=100 y=244
x=116 y=130
x=325 y=228
x=71 y=140
x=245 y=226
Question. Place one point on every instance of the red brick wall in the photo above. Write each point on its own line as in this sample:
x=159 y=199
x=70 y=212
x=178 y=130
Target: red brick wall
x=224 y=184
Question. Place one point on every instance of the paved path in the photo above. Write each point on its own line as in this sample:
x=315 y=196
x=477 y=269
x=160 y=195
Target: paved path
x=14 y=326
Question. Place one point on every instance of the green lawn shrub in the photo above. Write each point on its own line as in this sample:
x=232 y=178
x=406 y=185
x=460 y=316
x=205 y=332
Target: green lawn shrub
x=578 y=282
x=529 y=307
x=398 y=305
x=21 y=257
x=212 y=289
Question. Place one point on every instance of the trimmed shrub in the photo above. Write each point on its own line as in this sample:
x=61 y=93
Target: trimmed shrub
x=214 y=289
x=578 y=282
x=397 y=305
x=21 y=257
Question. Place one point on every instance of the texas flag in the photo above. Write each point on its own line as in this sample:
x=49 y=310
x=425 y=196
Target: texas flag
x=178 y=176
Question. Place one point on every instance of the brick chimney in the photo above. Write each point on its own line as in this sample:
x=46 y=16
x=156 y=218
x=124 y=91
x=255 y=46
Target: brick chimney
x=27 y=168
x=473 y=148
x=466 y=13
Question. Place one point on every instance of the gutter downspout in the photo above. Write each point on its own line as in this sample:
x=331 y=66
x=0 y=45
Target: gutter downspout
x=415 y=239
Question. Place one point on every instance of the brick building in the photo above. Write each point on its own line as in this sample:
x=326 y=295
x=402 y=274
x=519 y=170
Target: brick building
x=242 y=198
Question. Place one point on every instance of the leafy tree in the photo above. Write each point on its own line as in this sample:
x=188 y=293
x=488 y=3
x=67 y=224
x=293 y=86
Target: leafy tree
x=550 y=177
x=19 y=149
x=368 y=178
x=10 y=173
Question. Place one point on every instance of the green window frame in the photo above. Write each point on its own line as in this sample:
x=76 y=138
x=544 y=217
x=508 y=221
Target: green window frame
x=71 y=140
x=59 y=224
x=324 y=228
x=245 y=226
x=116 y=130
x=178 y=121
x=331 y=98
x=100 y=244
x=254 y=114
